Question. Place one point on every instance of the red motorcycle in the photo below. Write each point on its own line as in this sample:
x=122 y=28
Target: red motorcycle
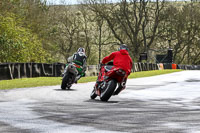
x=110 y=82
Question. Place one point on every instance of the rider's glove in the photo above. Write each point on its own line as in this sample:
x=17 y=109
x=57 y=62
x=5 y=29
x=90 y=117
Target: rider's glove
x=82 y=74
x=101 y=64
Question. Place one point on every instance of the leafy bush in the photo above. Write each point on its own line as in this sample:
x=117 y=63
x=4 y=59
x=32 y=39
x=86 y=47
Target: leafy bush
x=18 y=44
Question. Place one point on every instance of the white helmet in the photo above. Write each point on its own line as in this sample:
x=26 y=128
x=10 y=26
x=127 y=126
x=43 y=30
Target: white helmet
x=123 y=46
x=81 y=50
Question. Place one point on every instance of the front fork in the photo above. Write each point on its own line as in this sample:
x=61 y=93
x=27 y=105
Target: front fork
x=65 y=70
x=98 y=86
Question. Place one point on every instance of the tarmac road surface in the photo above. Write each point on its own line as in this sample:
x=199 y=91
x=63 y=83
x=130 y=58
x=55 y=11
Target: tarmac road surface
x=166 y=104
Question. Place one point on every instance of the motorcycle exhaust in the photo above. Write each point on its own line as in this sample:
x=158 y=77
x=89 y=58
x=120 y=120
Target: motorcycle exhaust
x=72 y=69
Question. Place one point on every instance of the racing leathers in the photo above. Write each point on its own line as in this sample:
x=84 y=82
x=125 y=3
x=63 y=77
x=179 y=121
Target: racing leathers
x=80 y=59
x=121 y=59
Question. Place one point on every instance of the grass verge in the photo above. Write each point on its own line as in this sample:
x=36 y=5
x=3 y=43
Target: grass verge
x=49 y=81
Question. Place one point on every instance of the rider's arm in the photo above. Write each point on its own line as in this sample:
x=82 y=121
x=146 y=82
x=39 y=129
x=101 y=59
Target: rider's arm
x=84 y=64
x=71 y=58
x=108 y=58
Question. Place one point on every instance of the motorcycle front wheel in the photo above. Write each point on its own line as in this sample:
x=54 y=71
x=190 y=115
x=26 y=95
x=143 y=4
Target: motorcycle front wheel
x=108 y=90
x=93 y=95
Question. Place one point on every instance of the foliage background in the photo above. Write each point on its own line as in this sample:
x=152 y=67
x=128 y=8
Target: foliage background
x=34 y=31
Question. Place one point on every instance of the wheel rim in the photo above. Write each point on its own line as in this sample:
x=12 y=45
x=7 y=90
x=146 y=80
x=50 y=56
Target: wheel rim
x=103 y=90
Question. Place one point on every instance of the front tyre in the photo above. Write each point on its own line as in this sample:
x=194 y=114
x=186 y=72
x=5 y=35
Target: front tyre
x=107 y=92
x=93 y=95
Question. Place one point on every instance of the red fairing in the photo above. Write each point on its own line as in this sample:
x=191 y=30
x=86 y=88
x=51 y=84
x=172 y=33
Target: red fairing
x=121 y=59
x=112 y=74
x=101 y=74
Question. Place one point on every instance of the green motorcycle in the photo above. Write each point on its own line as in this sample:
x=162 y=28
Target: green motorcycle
x=71 y=75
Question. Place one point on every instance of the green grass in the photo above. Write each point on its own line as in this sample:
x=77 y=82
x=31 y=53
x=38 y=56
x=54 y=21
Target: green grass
x=152 y=73
x=29 y=82
x=49 y=81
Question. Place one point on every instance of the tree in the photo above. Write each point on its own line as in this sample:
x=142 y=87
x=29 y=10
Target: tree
x=181 y=27
x=100 y=35
x=134 y=22
x=65 y=30
x=18 y=44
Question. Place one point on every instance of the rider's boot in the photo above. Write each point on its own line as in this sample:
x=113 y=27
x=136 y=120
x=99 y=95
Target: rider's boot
x=119 y=89
x=77 y=78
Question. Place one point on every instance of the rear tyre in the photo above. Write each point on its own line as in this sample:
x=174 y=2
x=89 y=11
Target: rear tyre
x=66 y=82
x=107 y=92
x=93 y=95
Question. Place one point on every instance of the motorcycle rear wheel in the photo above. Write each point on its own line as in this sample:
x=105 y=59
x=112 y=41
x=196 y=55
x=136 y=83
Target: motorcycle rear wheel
x=65 y=82
x=107 y=92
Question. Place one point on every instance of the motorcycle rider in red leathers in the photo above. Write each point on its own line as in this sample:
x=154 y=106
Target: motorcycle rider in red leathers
x=121 y=59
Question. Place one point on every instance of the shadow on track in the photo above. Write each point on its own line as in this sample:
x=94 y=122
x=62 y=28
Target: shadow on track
x=65 y=90
x=99 y=101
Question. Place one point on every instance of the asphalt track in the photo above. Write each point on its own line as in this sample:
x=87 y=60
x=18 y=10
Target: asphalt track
x=165 y=104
